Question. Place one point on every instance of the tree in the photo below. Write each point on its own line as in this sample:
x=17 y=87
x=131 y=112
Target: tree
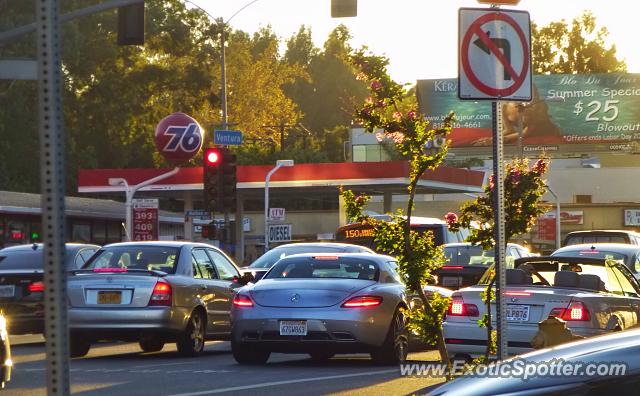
x=416 y=253
x=523 y=190
x=560 y=48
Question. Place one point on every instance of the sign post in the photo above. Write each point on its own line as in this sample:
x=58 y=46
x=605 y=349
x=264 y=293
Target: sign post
x=495 y=64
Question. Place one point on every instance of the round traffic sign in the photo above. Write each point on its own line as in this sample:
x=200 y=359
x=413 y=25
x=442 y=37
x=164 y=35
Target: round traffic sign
x=178 y=137
x=517 y=77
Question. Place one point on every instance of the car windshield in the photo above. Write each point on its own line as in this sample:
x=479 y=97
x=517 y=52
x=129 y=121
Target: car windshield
x=325 y=267
x=268 y=259
x=158 y=258
x=468 y=255
x=595 y=253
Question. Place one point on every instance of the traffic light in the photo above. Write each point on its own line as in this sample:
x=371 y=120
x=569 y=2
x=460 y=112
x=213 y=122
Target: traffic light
x=211 y=175
x=228 y=181
x=344 y=8
x=219 y=179
x=131 y=24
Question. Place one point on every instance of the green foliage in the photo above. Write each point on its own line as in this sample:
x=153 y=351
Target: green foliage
x=523 y=189
x=576 y=48
x=428 y=326
x=354 y=205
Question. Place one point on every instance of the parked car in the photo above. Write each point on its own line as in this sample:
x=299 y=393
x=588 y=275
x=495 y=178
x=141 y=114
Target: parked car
x=322 y=304
x=617 y=348
x=628 y=254
x=6 y=364
x=21 y=283
x=466 y=263
x=262 y=264
x=602 y=236
x=153 y=293
x=593 y=295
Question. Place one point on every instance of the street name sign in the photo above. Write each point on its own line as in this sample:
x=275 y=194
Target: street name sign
x=227 y=138
x=494 y=55
x=198 y=214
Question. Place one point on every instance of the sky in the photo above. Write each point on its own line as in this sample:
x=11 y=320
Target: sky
x=420 y=37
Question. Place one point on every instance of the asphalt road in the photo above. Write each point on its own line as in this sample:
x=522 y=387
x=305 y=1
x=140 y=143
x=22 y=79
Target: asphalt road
x=122 y=369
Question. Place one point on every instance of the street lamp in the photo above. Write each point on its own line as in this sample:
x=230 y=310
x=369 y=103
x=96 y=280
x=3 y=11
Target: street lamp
x=279 y=164
x=557 y=215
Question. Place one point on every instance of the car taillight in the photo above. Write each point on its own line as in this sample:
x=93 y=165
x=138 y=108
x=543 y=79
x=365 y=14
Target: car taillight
x=36 y=287
x=576 y=311
x=362 y=302
x=452 y=267
x=241 y=300
x=459 y=308
x=161 y=295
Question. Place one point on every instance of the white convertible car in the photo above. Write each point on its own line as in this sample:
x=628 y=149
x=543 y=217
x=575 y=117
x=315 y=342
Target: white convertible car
x=593 y=296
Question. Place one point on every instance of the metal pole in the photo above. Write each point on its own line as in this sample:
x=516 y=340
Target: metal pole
x=499 y=231
x=223 y=74
x=52 y=171
x=558 y=233
x=266 y=206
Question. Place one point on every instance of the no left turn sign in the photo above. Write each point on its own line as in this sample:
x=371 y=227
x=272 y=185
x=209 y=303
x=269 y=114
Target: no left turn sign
x=494 y=55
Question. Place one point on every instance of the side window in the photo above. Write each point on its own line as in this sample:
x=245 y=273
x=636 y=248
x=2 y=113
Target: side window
x=637 y=264
x=196 y=270
x=226 y=270
x=203 y=262
x=628 y=283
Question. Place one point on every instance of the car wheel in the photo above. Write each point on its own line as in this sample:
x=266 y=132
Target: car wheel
x=245 y=354
x=320 y=356
x=191 y=342
x=151 y=344
x=396 y=345
x=78 y=347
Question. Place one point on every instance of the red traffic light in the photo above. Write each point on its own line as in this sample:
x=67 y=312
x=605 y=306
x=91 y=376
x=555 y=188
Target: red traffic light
x=211 y=156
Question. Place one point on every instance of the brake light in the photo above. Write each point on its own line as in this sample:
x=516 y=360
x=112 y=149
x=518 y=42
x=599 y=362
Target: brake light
x=517 y=293
x=161 y=295
x=452 y=267
x=327 y=258
x=576 y=311
x=36 y=287
x=363 y=302
x=241 y=300
x=110 y=270
x=459 y=308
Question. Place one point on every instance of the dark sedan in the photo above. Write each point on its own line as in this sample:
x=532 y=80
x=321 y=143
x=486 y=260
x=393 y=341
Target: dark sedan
x=262 y=264
x=22 y=287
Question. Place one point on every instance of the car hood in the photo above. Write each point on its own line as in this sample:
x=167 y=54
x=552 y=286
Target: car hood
x=305 y=293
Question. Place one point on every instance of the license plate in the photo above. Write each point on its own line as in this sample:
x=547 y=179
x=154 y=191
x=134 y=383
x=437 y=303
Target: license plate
x=450 y=281
x=293 y=327
x=518 y=313
x=109 y=297
x=7 y=291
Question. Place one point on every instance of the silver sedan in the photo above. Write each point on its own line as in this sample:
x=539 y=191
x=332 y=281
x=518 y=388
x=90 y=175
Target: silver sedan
x=153 y=293
x=322 y=304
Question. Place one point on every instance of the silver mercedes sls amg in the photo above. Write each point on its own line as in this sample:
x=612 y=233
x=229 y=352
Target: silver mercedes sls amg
x=323 y=304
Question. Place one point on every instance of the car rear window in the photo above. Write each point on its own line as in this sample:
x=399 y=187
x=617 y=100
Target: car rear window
x=21 y=259
x=268 y=259
x=594 y=238
x=468 y=255
x=594 y=253
x=158 y=258
x=325 y=267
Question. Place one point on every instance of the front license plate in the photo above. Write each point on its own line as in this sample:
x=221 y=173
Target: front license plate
x=109 y=297
x=7 y=291
x=518 y=313
x=293 y=327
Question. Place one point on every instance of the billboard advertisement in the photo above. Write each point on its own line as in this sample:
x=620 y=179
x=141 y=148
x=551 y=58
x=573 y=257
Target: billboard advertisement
x=568 y=113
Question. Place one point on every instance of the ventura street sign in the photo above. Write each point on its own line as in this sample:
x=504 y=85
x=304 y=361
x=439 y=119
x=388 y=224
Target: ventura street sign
x=494 y=55
x=227 y=138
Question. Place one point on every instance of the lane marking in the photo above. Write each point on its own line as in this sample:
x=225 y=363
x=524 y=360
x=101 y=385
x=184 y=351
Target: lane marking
x=166 y=364
x=276 y=383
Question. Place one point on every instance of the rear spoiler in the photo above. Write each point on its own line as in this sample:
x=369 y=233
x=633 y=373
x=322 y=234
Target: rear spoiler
x=112 y=271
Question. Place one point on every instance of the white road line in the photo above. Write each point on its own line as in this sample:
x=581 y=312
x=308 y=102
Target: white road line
x=276 y=383
x=166 y=364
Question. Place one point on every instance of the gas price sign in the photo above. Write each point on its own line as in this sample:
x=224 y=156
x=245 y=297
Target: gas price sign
x=145 y=220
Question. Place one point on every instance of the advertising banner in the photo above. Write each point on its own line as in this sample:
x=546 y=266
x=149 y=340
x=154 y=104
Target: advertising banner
x=568 y=113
